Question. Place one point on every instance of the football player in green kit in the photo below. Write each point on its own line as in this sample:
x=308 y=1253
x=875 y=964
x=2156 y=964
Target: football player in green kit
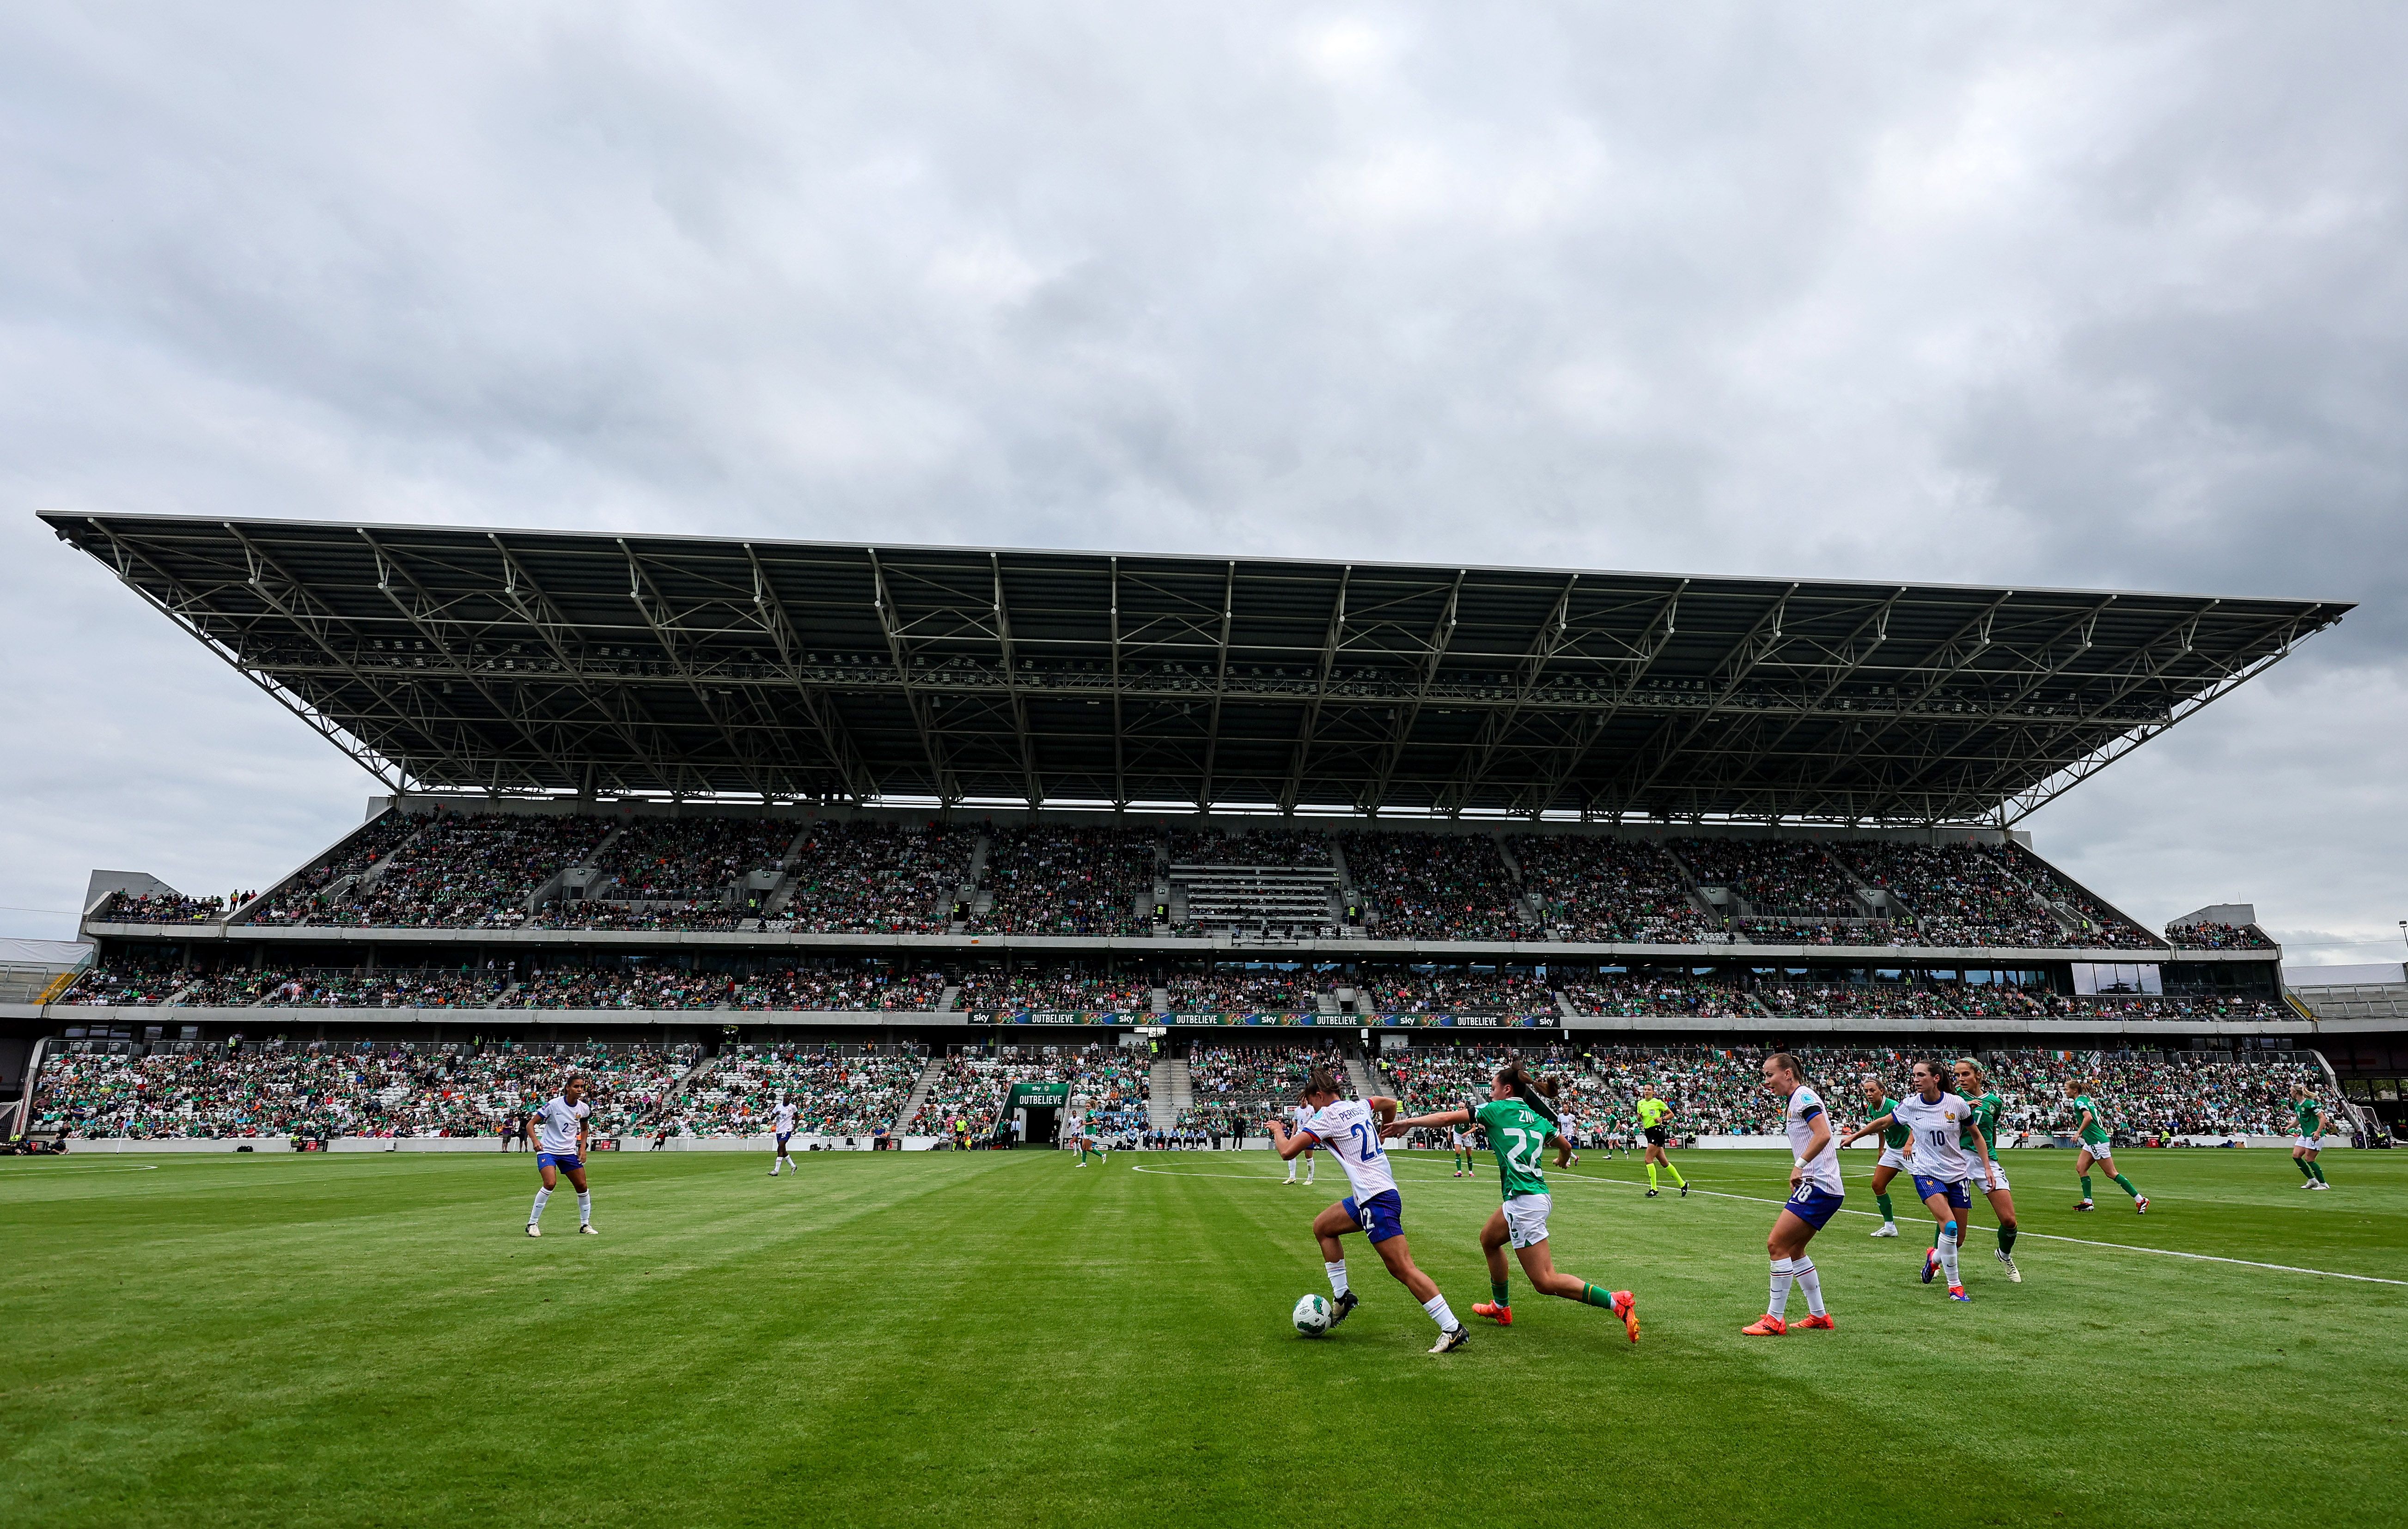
x=1519 y=1122
x=2097 y=1146
x=1974 y=1084
x=1895 y=1142
x=2312 y=1122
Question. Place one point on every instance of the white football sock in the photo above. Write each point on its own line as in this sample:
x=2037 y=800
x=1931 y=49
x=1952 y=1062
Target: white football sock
x=1436 y=1307
x=1948 y=1255
x=1782 y=1270
x=1809 y=1282
x=536 y=1215
x=1337 y=1277
x=584 y=1207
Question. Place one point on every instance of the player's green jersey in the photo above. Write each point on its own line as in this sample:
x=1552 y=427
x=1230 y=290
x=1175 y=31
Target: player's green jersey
x=1900 y=1133
x=1986 y=1115
x=1518 y=1135
x=2307 y=1109
x=2094 y=1131
x=1652 y=1111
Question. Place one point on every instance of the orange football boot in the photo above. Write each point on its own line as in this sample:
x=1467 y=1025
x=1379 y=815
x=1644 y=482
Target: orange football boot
x=1495 y=1311
x=1626 y=1306
x=1823 y=1321
x=1766 y=1326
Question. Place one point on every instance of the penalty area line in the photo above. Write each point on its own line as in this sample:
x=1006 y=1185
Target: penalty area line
x=2047 y=1236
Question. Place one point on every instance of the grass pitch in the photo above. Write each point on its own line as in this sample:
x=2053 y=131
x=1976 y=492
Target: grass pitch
x=1003 y=1338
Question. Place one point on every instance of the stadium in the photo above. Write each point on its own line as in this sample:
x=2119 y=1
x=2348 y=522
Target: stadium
x=933 y=845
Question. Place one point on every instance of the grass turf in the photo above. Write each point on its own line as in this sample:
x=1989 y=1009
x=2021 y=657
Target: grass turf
x=1002 y=1339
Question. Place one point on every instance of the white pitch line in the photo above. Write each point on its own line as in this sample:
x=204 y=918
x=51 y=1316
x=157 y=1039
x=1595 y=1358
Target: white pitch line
x=1758 y=1199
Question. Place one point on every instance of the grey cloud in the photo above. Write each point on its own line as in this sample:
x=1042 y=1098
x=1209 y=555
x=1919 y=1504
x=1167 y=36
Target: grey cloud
x=2075 y=295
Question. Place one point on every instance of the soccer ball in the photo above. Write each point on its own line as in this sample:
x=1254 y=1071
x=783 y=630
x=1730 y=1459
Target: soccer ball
x=1312 y=1315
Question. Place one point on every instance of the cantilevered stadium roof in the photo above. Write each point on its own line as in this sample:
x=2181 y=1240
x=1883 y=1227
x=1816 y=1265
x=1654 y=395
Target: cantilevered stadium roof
x=517 y=662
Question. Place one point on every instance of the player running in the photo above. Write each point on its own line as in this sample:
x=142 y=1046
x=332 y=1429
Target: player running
x=1520 y=1122
x=1894 y=1160
x=1974 y=1084
x=2097 y=1146
x=1072 y=1127
x=1296 y=1114
x=1814 y=1196
x=1653 y=1113
x=2314 y=1122
x=782 y=1120
x=1941 y=1123
x=1350 y=1128
x=558 y=1132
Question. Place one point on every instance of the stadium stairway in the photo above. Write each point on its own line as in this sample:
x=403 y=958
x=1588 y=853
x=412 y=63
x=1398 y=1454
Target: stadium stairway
x=1169 y=1089
x=1359 y=1075
x=911 y=1110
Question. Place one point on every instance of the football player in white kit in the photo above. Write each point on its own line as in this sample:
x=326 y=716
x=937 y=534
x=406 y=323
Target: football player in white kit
x=1814 y=1196
x=782 y=1120
x=1073 y=1129
x=1296 y=1117
x=558 y=1132
x=1350 y=1128
x=1941 y=1122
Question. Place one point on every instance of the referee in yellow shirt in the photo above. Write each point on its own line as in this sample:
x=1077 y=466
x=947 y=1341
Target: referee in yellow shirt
x=1653 y=1113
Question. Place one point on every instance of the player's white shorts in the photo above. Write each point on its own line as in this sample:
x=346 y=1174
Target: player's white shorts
x=2099 y=1150
x=1985 y=1183
x=1526 y=1218
x=1895 y=1157
x=2311 y=1143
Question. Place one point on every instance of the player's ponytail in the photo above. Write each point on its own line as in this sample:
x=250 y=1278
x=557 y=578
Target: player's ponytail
x=1514 y=1076
x=1322 y=1080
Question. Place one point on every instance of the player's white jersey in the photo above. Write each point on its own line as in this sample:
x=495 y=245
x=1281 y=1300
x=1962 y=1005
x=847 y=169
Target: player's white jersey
x=1349 y=1129
x=1074 y=1125
x=1822 y=1168
x=1938 y=1129
x=556 y=1124
x=784 y=1118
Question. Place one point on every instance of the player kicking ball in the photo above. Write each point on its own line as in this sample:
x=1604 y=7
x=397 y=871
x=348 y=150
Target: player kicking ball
x=1815 y=1193
x=1350 y=1128
x=558 y=1132
x=781 y=1120
x=1519 y=1120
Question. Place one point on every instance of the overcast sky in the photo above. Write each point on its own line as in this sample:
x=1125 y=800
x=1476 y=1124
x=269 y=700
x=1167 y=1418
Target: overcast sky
x=2088 y=295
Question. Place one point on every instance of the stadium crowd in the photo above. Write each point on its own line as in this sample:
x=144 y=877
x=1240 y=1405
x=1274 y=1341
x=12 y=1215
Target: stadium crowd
x=1070 y=881
x=317 y=1092
x=1242 y=992
x=836 y=1092
x=2219 y=936
x=160 y=908
x=1609 y=890
x=1456 y=993
x=869 y=878
x=1432 y=886
x=467 y=871
x=1281 y=847
x=984 y=989
x=1774 y=876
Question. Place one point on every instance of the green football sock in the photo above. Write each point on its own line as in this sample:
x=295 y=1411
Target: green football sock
x=2306 y=1170
x=1676 y=1176
x=2319 y=1167
x=1595 y=1297
x=2085 y=1186
x=1651 y=1175
x=1888 y=1214
x=2007 y=1240
x=2126 y=1185
x=1497 y=1292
